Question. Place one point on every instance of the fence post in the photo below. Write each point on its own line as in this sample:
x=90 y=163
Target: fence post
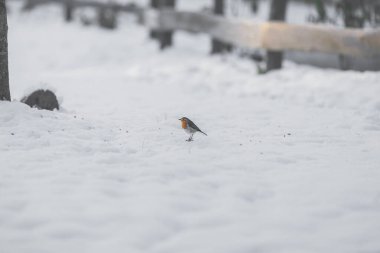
x=216 y=45
x=348 y=8
x=107 y=16
x=277 y=13
x=165 y=38
x=154 y=4
x=68 y=10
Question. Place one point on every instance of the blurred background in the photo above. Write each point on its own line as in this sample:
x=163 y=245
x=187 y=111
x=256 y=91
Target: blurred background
x=358 y=14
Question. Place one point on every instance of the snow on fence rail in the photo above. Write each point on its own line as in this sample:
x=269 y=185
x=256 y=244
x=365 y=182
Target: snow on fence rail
x=275 y=36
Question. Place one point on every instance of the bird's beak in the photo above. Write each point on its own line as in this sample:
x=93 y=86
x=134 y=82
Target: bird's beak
x=179 y=119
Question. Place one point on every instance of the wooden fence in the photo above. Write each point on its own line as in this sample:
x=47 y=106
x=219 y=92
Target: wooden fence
x=273 y=36
x=276 y=36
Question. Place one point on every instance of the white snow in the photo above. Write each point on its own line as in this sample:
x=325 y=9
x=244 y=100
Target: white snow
x=291 y=162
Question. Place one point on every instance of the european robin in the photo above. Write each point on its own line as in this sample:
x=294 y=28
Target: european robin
x=190 y=127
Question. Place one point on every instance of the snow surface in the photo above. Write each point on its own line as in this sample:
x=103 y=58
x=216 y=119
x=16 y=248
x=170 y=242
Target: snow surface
x=290 y=164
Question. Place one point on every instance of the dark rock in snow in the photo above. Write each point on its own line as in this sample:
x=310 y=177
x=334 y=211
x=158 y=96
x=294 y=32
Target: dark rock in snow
x=42 y=99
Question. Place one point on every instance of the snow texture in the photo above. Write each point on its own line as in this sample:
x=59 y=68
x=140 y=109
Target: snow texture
x=291 y=162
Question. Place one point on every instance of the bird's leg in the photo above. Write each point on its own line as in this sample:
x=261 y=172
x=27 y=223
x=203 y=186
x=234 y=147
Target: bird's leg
x=190 y=138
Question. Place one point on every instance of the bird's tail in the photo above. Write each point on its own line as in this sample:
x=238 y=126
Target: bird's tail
x=203 y=132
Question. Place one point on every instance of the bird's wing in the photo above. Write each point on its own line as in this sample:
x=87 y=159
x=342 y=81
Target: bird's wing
x=193 y=126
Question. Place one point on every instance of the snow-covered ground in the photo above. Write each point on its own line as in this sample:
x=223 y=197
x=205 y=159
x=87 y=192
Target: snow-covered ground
x=291 y=162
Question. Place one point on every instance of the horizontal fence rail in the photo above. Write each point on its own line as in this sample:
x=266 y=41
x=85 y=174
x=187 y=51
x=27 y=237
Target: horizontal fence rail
x=276 y=36
x=30 y=4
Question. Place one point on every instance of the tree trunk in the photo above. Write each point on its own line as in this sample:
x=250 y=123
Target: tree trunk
x=321 y=10
x=4 y=73
x=277 y=13
x=219 y=46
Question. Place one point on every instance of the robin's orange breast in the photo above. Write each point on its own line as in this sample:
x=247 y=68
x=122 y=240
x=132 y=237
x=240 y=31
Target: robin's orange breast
x=184 y=124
